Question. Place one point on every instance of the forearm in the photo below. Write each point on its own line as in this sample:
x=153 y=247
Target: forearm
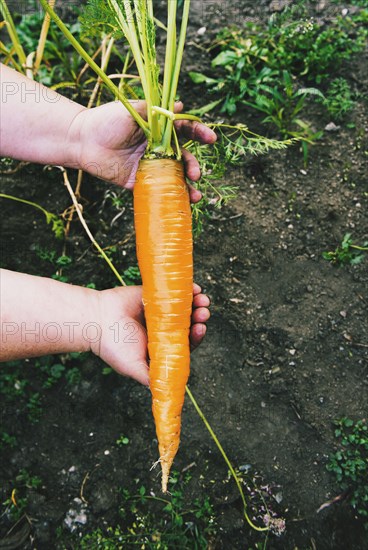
x=41 y=316
x=36 y=123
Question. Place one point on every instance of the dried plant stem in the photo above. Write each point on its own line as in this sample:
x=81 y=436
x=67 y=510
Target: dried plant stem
x=78 y=209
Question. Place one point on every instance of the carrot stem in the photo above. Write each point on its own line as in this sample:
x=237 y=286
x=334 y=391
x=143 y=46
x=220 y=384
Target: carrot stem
x=108 y=83
x=225 y=457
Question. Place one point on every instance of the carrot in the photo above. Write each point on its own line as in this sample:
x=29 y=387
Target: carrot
x=161 y=206
x=163 y=228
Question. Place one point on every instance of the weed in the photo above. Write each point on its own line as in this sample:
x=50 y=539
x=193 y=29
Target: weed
x=350 y=463
x=14 y=506
x=57 y=225
x=122 y=441
x=21 y=382
x=60 y=263
x=338 y=99
x=34 y=407
x=155 y=522
x=7 y=440
x=347 y=253
x=254 y=58
x=132 y=275
x=28 y=480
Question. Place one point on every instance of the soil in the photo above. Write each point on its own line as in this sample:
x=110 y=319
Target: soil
x=285 y=355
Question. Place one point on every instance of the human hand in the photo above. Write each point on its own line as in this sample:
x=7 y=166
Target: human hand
x=111 y=144
x=123 y=342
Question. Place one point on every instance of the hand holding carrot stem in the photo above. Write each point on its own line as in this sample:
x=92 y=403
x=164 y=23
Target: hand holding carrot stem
x=39 y=125
x=110 y=138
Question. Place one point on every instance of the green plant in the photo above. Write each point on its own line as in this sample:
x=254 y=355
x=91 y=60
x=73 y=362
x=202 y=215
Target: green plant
x=338 y=99
x=350 y=463
x=56 y=222
x=7 y=440
x=158 y=523
x=25 y=479
x=122 y=441
x=254 y=58
x=34 y=407
x=131 y=275
x=282 y=107
x=347 y=253
x=42 y=52
x=60 y=263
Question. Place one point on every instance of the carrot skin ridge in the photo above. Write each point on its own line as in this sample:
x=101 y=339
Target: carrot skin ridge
x=163 y=225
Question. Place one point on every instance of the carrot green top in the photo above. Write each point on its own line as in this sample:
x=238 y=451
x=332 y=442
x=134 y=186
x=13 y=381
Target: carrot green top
x=135 y=18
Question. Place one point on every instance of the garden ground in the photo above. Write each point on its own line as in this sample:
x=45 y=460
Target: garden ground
x=285 y=355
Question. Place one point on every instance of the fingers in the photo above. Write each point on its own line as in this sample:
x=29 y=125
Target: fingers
x=192 y=169
x=192 y=129
x=200 y=316
x=197 y=333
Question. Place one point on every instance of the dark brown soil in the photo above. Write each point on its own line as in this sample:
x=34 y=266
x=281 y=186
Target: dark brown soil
x=286 y=352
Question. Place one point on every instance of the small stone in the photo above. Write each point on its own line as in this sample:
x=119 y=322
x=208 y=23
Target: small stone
x=107 y=452
x=201 y=31
x=343 y=314
x=278 y=497
x=331 y=127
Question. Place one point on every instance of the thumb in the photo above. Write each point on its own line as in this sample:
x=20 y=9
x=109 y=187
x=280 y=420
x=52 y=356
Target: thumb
x=136 y=369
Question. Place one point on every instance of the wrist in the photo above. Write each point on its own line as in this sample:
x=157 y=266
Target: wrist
x=73 y=143
x=84 y=330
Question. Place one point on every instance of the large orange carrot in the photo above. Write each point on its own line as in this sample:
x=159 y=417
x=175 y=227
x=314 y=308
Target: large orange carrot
x=164 y=248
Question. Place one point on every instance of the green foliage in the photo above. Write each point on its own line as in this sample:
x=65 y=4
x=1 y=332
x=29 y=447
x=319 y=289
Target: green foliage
x=57 y=224
x=34 y=407
x=97 y=19
x=25 y=479
x=158 y=523
x=25 y=383
x=338 y=99
x=60 y=263
x=7 y=440
x=271 y=68
x=347 y=253
x=350 y=463
x=234 y=144
x=132 y=275
x=122 y=441
x=61 y=64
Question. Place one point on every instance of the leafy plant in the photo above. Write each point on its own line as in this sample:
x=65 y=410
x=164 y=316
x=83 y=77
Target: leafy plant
x=131 y=275
x=56 y=222
x=7 y=440
x=347 y=252
x=350 y=463
x=282 y=107
x=155 y=522
x=122 y=441
x=338 y=99
x=254 y=58
x=28 y=480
